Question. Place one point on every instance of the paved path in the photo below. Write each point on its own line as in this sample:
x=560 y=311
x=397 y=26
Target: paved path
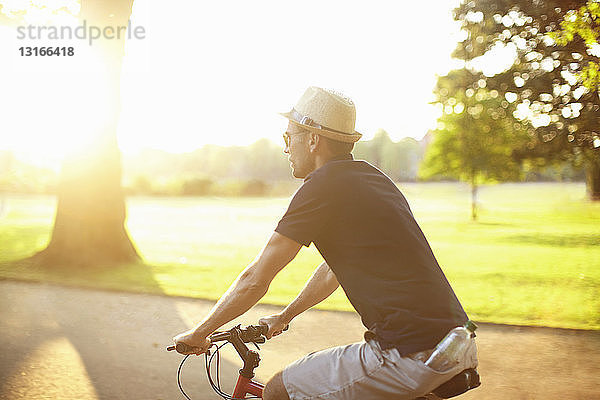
x=67 y=343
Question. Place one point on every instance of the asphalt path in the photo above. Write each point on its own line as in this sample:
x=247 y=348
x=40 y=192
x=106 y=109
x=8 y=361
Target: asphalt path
x=68 y=343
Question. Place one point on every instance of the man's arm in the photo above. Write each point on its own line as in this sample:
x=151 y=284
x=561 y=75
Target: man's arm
x=249 y=287
x=321 y=285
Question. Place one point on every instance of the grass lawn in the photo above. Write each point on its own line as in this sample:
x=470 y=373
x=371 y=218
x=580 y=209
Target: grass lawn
x=533 y=258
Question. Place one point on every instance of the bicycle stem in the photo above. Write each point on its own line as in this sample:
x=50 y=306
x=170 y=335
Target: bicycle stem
x=251 y=358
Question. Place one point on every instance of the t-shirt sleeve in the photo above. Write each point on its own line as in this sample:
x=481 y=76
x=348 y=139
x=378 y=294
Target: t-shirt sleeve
x=307 y=214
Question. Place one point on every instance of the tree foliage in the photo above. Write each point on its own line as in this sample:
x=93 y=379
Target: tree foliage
x=399 y=160
x=585 y=23
x=542 y=78
x=262 y=160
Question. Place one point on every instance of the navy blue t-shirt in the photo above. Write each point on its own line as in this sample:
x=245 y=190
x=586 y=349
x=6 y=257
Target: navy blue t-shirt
x=363 y=227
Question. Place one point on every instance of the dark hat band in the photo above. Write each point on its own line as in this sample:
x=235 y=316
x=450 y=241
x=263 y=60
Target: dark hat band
x=306 y=120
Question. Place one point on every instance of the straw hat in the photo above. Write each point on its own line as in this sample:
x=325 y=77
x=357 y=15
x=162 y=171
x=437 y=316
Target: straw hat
x=327 y=113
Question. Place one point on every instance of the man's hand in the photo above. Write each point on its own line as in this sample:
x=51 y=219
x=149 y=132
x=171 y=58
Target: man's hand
x=276 y=323
x=191 y=338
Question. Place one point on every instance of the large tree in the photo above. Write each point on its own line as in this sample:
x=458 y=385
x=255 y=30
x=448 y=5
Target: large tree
x=544 y=79
x=90 y=217
x=89 y=224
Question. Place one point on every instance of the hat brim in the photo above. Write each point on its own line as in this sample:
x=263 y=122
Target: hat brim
x=340 y=137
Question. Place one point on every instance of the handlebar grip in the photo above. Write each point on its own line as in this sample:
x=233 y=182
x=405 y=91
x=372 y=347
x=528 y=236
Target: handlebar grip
x=182 y=348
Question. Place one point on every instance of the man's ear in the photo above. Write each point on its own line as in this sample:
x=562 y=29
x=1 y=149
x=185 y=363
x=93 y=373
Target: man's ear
x=314 y=141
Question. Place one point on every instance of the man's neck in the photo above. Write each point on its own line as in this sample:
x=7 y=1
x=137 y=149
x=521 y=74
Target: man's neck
x=324 y=159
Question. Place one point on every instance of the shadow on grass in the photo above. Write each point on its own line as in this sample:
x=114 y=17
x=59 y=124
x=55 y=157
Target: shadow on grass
x=133 y=277
x=555 y=240
x=493 y=223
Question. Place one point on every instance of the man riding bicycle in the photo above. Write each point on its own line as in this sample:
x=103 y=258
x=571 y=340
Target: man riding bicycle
x=372 y=246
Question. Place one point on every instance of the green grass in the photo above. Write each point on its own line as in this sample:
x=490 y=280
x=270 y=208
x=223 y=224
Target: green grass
x=533 y=258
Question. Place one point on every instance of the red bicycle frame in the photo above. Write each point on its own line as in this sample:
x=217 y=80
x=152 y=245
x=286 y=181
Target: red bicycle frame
x=246 y=386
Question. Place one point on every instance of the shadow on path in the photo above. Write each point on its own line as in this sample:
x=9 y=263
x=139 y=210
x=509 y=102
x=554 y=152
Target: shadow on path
x=68 y=343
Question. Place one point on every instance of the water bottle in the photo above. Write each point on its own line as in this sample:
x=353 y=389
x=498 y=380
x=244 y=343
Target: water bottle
x=451 y=349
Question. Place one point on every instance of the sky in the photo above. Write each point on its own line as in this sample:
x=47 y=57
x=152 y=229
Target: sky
x=220 y=72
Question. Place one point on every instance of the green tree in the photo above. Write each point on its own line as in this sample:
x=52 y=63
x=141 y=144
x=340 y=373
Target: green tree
x=541 y=76
x=585 y=23
x=475 y=138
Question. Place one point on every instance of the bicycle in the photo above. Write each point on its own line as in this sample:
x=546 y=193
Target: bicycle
x=245 y=385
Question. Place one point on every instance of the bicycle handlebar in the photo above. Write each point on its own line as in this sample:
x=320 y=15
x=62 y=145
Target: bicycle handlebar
x=251 y=333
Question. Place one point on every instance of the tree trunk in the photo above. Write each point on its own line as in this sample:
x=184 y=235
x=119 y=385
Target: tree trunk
x=593 y=179
x=89 y=224
x=474 y=200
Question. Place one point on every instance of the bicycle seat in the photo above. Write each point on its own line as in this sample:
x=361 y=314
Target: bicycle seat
x=459 y=384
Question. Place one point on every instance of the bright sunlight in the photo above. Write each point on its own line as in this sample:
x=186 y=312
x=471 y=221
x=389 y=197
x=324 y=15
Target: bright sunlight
x=221 y=76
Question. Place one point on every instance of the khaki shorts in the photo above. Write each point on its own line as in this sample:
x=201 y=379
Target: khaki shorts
x=364 y=371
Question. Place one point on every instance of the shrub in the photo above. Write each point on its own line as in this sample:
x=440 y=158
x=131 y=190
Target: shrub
x=197 y=187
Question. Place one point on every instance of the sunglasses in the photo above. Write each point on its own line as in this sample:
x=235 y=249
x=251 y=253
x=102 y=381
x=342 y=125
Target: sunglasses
x=288 y=136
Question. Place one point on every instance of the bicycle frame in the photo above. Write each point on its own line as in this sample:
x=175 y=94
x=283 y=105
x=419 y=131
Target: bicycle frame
x=246 y=386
